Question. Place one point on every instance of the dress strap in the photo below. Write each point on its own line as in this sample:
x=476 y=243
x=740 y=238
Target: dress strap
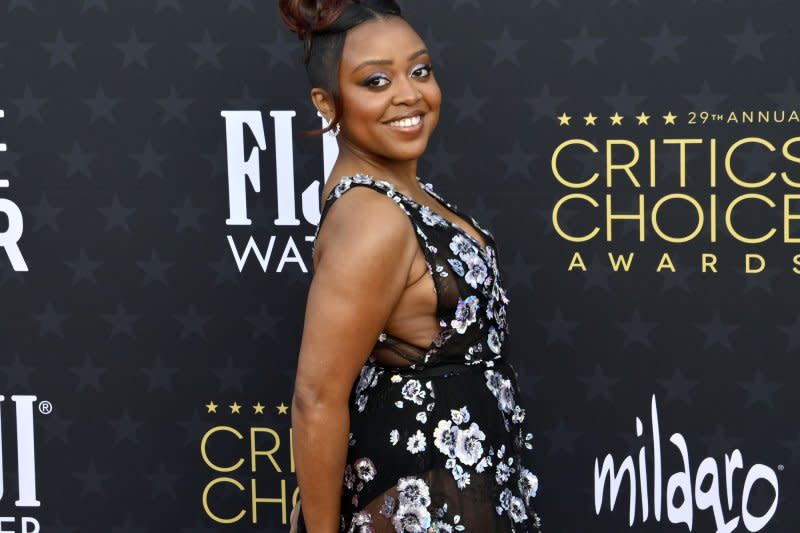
x=408 y=351
x=384 y=187
x=345 y=184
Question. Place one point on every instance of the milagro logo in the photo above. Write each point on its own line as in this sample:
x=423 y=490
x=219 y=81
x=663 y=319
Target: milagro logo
x=245 y=170
x=25 y=491
x=680 y=483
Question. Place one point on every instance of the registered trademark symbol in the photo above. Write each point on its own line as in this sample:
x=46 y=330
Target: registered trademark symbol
x=45 y=407
x=780 y=468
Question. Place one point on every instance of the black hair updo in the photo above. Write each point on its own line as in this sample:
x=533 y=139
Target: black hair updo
x=322 y=25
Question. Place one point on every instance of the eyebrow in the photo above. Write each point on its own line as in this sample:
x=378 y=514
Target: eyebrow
x=389 y=61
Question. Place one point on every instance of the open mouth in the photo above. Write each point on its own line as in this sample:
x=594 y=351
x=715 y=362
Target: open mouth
x=407 y=123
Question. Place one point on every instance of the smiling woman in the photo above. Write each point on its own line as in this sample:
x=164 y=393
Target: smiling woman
x=405 y=413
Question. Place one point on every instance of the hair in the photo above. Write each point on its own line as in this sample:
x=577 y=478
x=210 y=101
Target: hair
x=323 y=25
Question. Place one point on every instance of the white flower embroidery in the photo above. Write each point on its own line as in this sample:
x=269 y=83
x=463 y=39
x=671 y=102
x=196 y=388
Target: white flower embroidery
x=441 y=527
x=505 y=499
x=387 y=509
x=349 y=476
x=445 y=436
x=413 y=491
x=506 y=398
x=516 y=509
x=494 y=380
x=416 y=442
x=461 y=246
x=361 y=402
x=365 y=469
x=476 y=270
x=368 y=378
x=394 y=437
x=461 y=476
x=493 y=340
x=468 y=444
x=466 y=313
x=459 y=416
x=362 y=518
x=431 y=218
x=519 y=414
x=502 y=473
x=485 y=461
x=342 y=186
x=457 y=266
x=413 y=391
x=528 y=484
x=411 y=519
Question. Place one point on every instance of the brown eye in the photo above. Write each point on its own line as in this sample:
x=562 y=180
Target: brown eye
x=374 y=82
x=427 y=69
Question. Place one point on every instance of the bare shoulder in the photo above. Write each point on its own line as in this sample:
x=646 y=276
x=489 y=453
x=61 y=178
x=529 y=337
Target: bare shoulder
x=364 y=223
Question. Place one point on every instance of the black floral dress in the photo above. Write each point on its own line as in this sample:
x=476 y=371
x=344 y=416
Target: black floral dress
x=441 y=444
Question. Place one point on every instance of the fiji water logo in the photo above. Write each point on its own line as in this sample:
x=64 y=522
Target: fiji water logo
x=25 y=492
x=26 y=460
x=270 y=251
x=709 y=489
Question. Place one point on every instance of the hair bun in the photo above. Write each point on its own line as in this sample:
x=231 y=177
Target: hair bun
x=305 y=17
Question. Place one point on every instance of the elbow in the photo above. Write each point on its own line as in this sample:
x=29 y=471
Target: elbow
x=313 y=400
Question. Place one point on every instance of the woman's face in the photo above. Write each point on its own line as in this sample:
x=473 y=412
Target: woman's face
x=386 y=74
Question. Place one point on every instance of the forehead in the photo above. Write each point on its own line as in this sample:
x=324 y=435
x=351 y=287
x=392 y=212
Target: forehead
x=391 y=38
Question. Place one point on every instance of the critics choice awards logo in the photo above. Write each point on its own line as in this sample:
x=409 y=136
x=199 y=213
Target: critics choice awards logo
x=249 y=460
x=11 y=228
x=18 y=498
x=269 y=252
x=679 y=192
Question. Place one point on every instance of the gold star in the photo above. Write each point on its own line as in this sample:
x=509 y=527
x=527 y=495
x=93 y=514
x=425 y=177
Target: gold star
x=616 y=119
x=283 y=409
x=259 y=408
x=235 y=408
x=211 y=406
x=590 y=120
x=669 y=118
x=563 y=119
x=642 y=118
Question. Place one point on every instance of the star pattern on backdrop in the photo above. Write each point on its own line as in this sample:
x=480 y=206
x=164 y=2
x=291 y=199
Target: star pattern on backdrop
x=135 y=315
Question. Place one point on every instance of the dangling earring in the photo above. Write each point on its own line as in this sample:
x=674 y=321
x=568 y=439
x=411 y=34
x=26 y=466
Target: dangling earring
x=335 y=131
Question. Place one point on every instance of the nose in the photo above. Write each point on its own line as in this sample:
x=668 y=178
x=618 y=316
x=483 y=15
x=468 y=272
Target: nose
x=406 y=92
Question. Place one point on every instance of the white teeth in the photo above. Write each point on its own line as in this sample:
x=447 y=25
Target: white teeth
x=407 y=122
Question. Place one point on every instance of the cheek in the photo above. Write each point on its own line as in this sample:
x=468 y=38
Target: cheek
x=435 y=98
x=360 y=111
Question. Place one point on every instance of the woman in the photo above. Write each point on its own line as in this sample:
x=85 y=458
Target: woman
x=405 y=413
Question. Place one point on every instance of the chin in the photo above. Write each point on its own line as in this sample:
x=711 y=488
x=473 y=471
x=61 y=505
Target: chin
x=407 y=152
x=405 y=155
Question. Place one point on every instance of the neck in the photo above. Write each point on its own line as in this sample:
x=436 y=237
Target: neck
x=400 y=173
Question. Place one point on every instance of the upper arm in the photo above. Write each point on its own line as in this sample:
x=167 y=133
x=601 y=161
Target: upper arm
x=364 y=253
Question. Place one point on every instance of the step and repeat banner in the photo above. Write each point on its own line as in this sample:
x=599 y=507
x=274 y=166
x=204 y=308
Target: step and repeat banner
x=638 y=162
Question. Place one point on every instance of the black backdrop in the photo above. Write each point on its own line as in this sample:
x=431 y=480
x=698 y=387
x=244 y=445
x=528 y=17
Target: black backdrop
x=140 y=365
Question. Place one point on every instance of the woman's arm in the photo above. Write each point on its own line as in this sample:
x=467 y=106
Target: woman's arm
x=363 y=264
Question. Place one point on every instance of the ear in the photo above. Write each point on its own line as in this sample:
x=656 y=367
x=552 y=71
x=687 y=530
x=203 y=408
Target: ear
x=323 y=101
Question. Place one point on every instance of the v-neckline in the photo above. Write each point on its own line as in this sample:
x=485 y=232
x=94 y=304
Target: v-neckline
x=457 y=212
